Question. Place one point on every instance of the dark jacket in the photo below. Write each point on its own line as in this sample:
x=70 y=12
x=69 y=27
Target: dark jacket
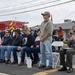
x=16 y=41
x=27 y=40
x=71 y=44
x=7 y=40
x=37 y=43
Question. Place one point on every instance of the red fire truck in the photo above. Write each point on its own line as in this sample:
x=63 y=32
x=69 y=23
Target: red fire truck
x=10 y=24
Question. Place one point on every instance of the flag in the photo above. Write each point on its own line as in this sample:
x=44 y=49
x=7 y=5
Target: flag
x=11 y=26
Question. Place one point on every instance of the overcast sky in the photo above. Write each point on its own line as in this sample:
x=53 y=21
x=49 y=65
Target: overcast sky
x=59 y=13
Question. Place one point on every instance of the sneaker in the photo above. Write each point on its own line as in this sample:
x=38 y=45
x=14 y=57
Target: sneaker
x=70 y=70
x=41 y=66
x=21 y=64
x=62 y=69
x=48 y=68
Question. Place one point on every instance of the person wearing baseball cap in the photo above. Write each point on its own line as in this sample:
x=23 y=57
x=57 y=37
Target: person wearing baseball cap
x=46 y=13
x=27 y=28
x=46 y=39
x=17 y=31
x=27 y=41
x=4 y=43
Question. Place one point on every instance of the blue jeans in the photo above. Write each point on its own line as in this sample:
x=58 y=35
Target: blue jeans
x=35 y=53
x=23 y=49
x=9 y=49
x=46 y=52
x=15 y=55
x=27 y=50
x=3 y=49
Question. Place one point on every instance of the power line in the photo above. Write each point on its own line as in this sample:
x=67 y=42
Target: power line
x=39 y=8
x=17 y=4
x=30 y=6
x=66 y=16
x=42 y=3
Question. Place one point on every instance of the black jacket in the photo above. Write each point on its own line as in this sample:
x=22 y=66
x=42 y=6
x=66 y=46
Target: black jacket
x=16 y=41
x=71 y=44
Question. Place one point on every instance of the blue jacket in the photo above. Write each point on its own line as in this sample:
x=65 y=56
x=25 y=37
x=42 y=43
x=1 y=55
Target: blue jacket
x=7 y=40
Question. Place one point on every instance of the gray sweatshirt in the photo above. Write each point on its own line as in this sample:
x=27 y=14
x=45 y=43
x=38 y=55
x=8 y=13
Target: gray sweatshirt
x=47 y=28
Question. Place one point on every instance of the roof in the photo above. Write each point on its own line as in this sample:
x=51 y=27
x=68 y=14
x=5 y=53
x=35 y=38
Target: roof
x=66 y=25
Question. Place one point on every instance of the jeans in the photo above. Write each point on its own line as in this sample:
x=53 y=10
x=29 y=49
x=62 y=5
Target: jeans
x=29 y=52
x=15 y=55
x=23 y=49
x=35 y=53
x=9 y=49
x=46 y=52
x=3 y=49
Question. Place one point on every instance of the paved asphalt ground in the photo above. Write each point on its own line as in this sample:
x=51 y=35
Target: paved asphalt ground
x=18 y=70
x=23 y=70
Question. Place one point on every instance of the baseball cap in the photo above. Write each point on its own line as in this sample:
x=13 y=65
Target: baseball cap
x=37 y=30
x=26 y=28
x=17 y=30
x=46 y=13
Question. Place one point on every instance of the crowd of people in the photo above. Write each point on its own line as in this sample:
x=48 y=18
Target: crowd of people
x=30 y=44
x=24 y=42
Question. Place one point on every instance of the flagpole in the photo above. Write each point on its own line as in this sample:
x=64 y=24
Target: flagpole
x=51 y=18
